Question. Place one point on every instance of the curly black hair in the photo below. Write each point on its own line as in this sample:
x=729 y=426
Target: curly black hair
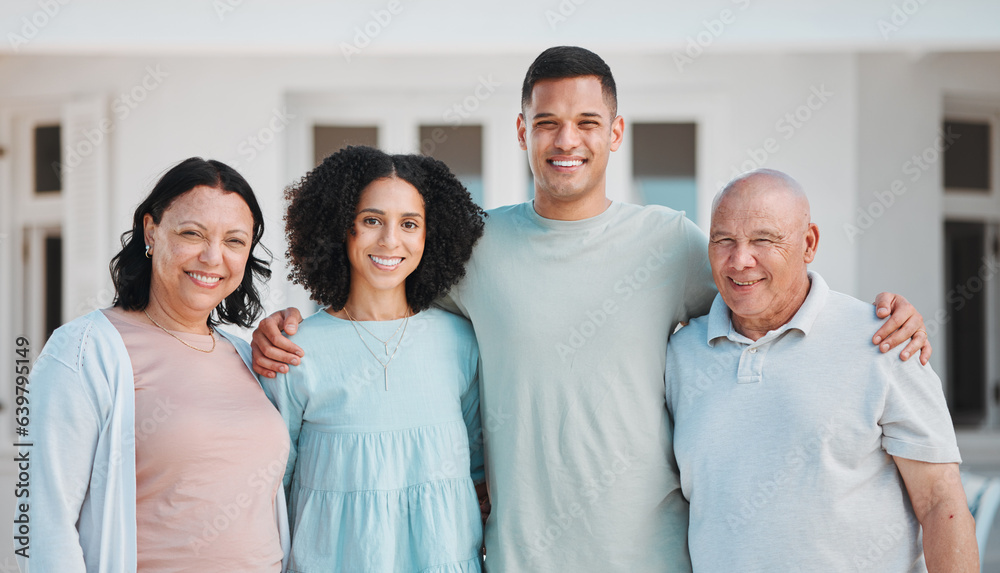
x=131 y=271
x=323 y=206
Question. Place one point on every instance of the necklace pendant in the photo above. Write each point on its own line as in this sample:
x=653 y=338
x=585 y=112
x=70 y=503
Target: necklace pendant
x=385 y=344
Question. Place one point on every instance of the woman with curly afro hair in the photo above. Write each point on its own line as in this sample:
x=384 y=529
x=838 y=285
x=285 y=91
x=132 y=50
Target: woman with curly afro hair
x=381 y=475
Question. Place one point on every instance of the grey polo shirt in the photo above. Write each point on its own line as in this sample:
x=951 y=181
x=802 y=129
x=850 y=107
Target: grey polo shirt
x=784 y=443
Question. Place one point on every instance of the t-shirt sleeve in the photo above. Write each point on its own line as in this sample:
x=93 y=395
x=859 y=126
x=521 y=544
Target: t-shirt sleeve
x=456 y=300
x=673 y=387
x=700 y=288
x=450 y=302
x=915 y=421
x=670 y=378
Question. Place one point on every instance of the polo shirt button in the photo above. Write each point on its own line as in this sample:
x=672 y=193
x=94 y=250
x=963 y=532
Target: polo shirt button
x=753 y=351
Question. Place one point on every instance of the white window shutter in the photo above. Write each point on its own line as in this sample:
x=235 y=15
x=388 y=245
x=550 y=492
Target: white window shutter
x=87 y=242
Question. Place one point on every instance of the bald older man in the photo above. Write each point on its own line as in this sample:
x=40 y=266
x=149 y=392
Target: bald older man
x=800 y=446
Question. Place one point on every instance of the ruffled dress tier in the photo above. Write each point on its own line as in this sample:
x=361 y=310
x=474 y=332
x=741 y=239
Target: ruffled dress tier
x=381 y=477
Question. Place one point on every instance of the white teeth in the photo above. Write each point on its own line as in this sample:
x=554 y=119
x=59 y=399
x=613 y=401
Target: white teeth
x=386 y=262
x=573 y=163
x=746 y=283
x=204 y=279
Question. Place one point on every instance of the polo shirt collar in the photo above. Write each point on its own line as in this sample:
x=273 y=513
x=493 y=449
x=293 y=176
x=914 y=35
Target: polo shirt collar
x=720 y=324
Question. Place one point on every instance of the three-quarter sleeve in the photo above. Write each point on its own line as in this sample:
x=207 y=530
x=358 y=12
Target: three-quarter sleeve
x=473 y=423
x=65 y=427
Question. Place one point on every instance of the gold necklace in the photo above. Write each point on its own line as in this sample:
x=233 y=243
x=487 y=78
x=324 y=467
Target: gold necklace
x=211 y=332
x=385 y=365
x=384 y=342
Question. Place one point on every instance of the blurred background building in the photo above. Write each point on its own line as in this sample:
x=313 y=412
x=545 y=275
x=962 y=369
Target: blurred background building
x=887 y=111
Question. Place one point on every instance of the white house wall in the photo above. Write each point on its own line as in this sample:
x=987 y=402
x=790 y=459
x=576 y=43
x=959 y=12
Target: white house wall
x=901 y=108
x=860 y=118
x=433 y=27
x=843 y=124
x=212 y=106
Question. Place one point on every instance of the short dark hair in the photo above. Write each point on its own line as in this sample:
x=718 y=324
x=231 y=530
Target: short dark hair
x=323 y=206
x=131 y=271
x=570 y=62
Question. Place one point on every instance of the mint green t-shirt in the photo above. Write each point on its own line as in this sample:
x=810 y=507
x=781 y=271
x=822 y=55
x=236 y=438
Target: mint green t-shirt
x=572 y=320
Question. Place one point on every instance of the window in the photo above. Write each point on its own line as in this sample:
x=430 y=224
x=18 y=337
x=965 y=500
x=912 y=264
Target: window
x=460 y=147
x=329 y=139
x=531 y=181
x=971 y=149
x=967 y=159
x=967 y=293
x=663 y=165
x=48 y=158
x=53 y=284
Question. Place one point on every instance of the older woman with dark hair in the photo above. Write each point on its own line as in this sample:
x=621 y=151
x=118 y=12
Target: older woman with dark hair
x=381 y=476
x=155 y=447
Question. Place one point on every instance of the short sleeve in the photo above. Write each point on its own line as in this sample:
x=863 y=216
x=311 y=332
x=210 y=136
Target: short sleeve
x=450 y=303
x=700 y=289
x=915 y=421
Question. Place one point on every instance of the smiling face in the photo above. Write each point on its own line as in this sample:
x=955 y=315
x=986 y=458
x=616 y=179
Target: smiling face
x=199 y=252
x=760 y=244
x=569 y=133
x=387 y=240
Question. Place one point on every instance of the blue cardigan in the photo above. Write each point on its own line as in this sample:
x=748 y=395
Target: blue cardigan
x=82 y=426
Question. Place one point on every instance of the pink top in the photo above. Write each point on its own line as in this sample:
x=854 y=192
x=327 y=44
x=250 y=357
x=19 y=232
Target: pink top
x=210 y=452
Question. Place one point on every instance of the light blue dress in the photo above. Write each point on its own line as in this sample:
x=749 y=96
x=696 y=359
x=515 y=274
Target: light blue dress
x=381 y=479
